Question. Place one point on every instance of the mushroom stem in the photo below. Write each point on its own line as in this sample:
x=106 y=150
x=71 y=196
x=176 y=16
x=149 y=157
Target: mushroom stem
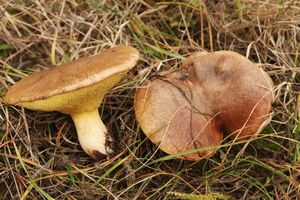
x=92 y=133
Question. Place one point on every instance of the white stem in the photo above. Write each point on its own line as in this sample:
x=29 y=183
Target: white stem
x=91 y=133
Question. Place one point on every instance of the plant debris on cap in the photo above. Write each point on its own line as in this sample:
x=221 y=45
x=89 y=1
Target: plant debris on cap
x=212 y=96
x=77 y=88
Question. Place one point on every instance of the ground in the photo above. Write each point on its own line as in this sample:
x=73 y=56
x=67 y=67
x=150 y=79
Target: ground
x=40 y=157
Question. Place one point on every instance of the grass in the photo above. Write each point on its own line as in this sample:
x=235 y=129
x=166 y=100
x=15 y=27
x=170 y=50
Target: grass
x=40 y=157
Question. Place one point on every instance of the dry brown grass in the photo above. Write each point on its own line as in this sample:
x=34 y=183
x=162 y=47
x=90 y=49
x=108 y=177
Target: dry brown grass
x=40 y=157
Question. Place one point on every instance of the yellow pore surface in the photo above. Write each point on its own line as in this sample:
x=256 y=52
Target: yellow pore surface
x=81 y=100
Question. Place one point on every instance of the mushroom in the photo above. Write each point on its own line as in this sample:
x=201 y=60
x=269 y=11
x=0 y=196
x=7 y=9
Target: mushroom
x=77 y=88
x=188 y=112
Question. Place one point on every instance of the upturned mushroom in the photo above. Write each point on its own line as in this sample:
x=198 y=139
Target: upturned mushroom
x=213 y=95
x=77 y=88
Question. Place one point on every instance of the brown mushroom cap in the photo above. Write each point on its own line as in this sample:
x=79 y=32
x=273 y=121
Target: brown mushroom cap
x=214 y=94
x=71 y=85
